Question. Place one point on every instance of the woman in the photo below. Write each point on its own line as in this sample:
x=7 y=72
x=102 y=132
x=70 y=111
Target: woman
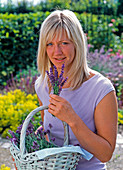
x=87 y=102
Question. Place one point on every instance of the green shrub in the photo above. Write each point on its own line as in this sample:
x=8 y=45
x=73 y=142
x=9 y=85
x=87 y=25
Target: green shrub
x=18 y=41
x=14 y=107
x=120 y=116
x=95 y=6
x=101 y=30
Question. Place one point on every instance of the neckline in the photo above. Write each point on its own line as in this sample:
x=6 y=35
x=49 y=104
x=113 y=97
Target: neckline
x=96 y=74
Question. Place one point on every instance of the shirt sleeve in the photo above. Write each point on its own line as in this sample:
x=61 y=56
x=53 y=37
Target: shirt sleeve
x=42 y=91
x=104 y=87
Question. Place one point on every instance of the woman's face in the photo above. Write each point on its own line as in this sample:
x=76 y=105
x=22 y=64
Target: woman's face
x=60 y=51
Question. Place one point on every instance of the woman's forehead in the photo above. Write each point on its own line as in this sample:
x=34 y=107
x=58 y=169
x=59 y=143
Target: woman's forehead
x=59 y=34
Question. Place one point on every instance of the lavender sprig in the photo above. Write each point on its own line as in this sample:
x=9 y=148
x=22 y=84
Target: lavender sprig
x=56 y=81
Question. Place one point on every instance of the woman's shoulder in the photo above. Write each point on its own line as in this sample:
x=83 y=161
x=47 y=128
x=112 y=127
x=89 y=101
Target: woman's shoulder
x=98 y=79
x=93 y=73
x=40 y=82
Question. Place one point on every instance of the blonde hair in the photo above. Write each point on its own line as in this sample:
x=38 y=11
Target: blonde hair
x=54 y=25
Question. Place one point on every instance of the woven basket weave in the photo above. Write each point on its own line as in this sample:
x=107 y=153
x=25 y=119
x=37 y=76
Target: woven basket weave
x=65 y=157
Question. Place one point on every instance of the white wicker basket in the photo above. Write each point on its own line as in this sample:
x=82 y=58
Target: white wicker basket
x=65 y=157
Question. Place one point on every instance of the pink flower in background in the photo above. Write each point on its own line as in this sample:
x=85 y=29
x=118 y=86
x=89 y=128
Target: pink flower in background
x=113 y=20
x=119 y=51
x=109 y=55
x=118 y=54
x=110 y=25
x=89 y=45
x=110 y=49
x=113 y=55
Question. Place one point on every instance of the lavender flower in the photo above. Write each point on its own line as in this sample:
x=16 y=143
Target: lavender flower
x=41 y=123
x=12 y=134
x=35 y=146
x=48 y=131
x=19 y=129
x=56 y=82
x=56 y=73
x=53 y=139
x=25 y=83
x=15 y=140
x=50 y=125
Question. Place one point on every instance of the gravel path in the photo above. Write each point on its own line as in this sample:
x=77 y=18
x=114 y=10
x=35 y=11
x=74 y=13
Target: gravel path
x=116 y=162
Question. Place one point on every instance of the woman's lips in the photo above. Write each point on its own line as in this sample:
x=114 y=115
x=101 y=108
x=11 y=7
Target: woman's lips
x=60 y=59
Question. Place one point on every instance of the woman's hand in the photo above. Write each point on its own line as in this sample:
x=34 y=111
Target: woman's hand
x=61 y=108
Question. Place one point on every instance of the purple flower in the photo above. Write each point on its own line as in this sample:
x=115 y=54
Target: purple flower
x=50 y=126
x=41 y=123
x=14 y=140
x=55 y=73
x=48 y=131
x=19 y=129
x=30 y=128
x=40 y=130
x=27 y=132
x=53 y=139
x=35 y=146
x=56 y=81
x=11 y=133
x=38 y=138
x=62 y=71
x=32 y=119
x=63 y=82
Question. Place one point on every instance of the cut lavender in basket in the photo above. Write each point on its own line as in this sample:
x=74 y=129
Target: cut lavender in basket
x=34 y=141
x=56 y=81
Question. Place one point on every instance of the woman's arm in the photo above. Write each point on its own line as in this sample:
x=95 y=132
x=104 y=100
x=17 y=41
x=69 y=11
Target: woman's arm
x=102 y=144
x=42 y=112
x=42 y=117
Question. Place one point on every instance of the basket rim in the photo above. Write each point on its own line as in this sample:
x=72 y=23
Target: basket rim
x=41 y=154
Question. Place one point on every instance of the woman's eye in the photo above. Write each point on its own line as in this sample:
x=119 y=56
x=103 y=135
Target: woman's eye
x=64 y=43
x=49 y=44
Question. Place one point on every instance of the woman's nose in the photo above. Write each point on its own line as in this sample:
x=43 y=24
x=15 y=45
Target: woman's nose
x=57 y=49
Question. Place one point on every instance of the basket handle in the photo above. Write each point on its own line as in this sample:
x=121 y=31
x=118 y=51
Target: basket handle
x=25 y=125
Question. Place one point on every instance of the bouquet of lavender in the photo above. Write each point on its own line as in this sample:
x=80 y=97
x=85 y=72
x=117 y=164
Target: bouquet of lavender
x=34 y=140
x=56 y=81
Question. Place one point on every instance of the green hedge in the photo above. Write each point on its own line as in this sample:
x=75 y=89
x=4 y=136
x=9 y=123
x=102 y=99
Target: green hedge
x=19 y=38
x=108 y=7
x=18 y=41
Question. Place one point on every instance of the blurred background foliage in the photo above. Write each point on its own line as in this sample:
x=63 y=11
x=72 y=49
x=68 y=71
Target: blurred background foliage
x=20 y=25
x=20 y=21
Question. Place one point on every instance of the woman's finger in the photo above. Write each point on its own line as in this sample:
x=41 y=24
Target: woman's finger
x=52 y=101
x=51 y=106
x=56 y=98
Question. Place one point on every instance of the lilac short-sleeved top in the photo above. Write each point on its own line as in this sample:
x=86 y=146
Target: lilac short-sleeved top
x=84 y=101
